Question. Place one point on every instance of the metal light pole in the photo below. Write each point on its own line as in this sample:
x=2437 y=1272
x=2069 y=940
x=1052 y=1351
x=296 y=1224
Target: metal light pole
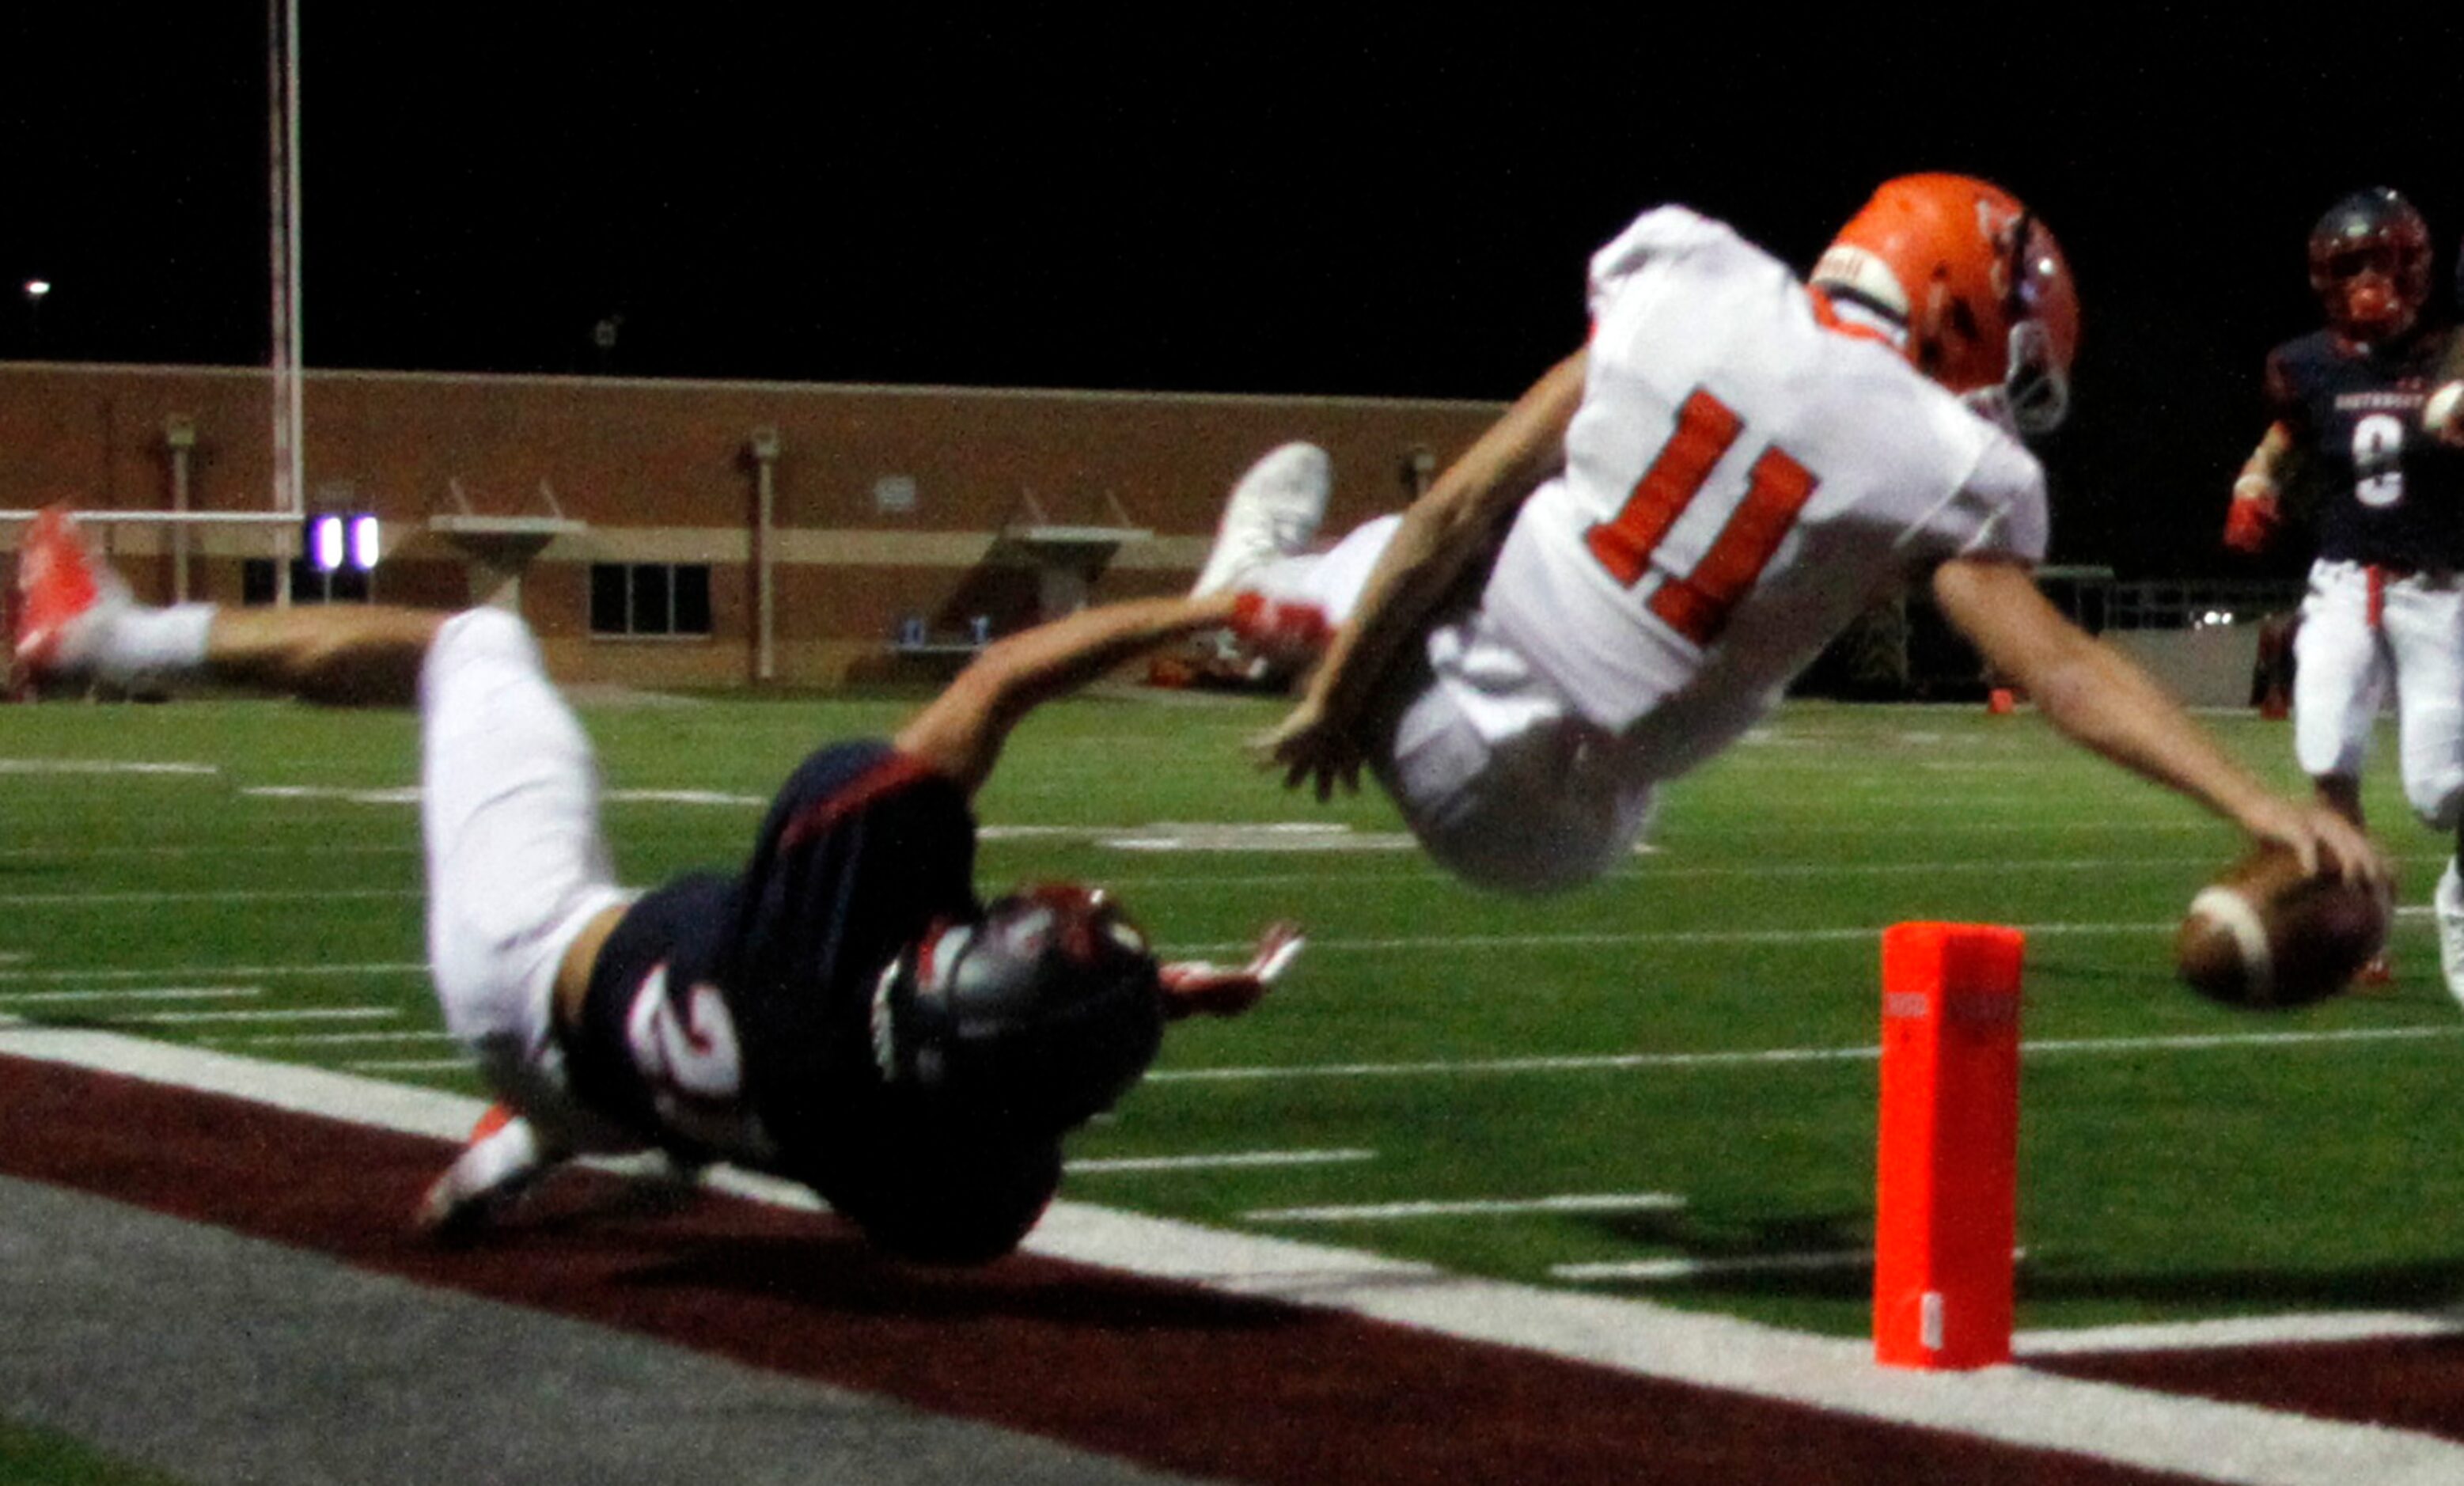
x=763 y=446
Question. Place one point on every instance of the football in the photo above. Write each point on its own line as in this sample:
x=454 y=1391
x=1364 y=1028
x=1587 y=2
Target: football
x=2266 y=938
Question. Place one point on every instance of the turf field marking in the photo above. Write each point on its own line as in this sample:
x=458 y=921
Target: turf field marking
x=2238 y=1331
x=329 y=1039
x=81 y=851
x=1481 y=1206
x=1229 y=1159
x=411 y=1066
x=113 y=899
x=409 y=794
x=1611 y=938
x=284 y=1013
x=235 y=971
x=389 y=794
x=108 y=993
x=1663 y=1271
x=2181 y=1042
x=102 y=766
x=2193 y=1438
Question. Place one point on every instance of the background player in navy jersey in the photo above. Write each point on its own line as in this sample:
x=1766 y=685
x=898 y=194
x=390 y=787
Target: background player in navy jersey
x=2385 y=608
x=843 y=1011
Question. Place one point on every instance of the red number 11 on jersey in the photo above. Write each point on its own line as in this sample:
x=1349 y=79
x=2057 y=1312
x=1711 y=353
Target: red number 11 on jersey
x=1697 y=604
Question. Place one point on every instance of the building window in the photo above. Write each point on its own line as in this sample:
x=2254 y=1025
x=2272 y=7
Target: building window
x=650 y=599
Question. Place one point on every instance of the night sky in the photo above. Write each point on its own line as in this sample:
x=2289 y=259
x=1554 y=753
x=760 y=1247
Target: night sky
x=1235 y=199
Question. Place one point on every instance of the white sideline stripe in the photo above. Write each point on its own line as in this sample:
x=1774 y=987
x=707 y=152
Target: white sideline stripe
x=2190 y=1436
x=1480 y=1207
x=1650 y=1270
x=290 y=1086
x=289 y=1013
x=1228 y=1160
x=26 y=998
x=2240 y=1331
x=1755 y=1056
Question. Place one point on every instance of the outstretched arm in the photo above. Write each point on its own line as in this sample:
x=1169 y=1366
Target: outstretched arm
x=960 y=733
x=1442 y=532
x=2101 y=700
x=340 y=655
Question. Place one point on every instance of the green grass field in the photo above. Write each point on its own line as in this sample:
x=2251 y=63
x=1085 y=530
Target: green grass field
x=1698 y=1027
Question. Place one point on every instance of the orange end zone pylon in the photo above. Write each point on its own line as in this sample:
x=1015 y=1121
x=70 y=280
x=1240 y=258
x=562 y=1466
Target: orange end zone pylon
x=1946 y=1197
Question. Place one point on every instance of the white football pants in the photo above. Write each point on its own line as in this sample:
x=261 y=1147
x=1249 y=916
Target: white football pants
x=1503 y=783
x=2362 y=632
x=517 y=865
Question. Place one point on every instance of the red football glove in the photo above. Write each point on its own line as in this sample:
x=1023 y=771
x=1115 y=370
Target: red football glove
x=2250 y=523
x=1198 y=988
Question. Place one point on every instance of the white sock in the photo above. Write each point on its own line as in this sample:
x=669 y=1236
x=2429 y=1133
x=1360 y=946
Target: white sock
x=142 y=644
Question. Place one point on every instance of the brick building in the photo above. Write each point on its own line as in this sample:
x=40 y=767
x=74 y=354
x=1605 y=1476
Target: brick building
x=641 y=525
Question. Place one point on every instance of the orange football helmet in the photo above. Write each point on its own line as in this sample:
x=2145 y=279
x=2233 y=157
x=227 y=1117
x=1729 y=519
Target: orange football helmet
x=1977 y=285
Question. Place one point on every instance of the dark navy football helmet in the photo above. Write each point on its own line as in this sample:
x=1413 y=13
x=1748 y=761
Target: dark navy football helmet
x=1040 y=1013
x=2369 y=263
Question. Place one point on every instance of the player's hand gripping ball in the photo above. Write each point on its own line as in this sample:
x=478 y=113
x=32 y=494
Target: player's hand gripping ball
x=2265 y=937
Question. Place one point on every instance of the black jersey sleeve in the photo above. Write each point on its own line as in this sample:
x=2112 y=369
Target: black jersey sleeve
x=731 y=1016
x=863 y=850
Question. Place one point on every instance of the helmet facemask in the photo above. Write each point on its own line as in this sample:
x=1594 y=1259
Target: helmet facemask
x=1040 y=1014
x=2370 y=264
x=1976 y=288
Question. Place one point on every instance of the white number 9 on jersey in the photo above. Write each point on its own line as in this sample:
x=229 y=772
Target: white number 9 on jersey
x=2378 y=460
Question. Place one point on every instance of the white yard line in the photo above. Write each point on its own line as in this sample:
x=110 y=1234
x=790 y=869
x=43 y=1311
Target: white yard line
x=2185 y=1042
x=2195 y=1438
x=2240 y=1331
x=1220 y=1161
x=1481 y=1206
x=266 y=1014
x=97 y=900
x=228 y=971
x=331 y=1038
x=105 y=766
x=1650 y=1271
x=106 y=994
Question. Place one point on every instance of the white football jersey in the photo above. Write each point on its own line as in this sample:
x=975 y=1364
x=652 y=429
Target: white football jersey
x=1741 y=482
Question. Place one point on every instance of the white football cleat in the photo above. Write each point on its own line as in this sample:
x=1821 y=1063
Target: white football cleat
x=1274 y=512
x=66 y=599
x=2447 y=906
x=502 y=1161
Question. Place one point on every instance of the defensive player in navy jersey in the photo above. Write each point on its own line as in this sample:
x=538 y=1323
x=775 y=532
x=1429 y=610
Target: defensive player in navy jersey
x=2385 y=608
x=843 y=1010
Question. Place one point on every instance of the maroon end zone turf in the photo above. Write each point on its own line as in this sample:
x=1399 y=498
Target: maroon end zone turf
x=2412 y=1383
x=1171 y=1375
